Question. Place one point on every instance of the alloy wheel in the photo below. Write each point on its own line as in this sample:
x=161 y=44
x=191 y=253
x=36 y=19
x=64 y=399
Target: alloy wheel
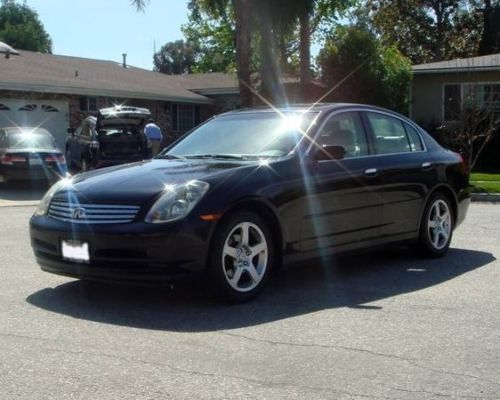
x=439 y=224
x=245 y=257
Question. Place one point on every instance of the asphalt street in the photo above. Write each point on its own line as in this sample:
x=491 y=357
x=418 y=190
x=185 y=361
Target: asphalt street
x=383 y=324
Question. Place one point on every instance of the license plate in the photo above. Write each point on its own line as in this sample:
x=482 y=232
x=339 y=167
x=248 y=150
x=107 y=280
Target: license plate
x=75 y=250
x=35 y=161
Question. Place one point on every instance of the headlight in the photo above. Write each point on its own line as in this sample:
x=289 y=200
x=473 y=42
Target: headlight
x=176 y=202
x=43 y=206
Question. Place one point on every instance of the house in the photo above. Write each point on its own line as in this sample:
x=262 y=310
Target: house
x=440 y=90
x=58 y=92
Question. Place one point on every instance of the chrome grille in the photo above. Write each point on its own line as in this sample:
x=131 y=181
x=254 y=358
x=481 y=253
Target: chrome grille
x=82 y=213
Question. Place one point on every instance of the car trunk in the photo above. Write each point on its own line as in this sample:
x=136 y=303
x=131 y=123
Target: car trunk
x=34 y=163
x=121 y=134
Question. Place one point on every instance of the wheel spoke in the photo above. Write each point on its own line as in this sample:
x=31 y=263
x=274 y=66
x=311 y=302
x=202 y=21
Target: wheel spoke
x=435 y=210
x=237 y=276
x=435 y=240
x=245 y=233
x=230 y=251
x=253 y=273
x=431 y=224
x=258 y=248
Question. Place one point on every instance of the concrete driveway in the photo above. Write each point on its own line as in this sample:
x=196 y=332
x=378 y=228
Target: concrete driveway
x=380 y=325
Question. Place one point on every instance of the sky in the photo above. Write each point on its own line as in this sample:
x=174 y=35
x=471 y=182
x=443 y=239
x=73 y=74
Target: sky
x=104 y=29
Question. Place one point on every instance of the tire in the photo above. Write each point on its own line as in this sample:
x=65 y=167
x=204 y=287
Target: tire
x=436 y=227
x=242 y=256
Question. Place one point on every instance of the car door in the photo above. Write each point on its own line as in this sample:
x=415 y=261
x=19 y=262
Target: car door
x=344 y=205
x=82 y=142
x=406 y=175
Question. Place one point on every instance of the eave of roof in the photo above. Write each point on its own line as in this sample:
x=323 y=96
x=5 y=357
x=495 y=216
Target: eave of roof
x=79 y=91
x=418 y=71
x=490 y=62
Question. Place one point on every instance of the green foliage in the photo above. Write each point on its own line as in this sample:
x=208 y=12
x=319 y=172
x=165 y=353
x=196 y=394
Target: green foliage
x=383 y=74
x=427 y=30
x=177 y=57
x=21 y=28
x=214 y=37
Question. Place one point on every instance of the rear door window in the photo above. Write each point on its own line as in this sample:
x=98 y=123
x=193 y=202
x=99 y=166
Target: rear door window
x=389 y=134
x=414 y=138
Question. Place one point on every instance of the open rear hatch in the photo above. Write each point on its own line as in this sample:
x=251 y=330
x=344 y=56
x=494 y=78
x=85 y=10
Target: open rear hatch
x=120 y=131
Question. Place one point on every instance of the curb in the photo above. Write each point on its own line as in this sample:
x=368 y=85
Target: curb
x=485 y=198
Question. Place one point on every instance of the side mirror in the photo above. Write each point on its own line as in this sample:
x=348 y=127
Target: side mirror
x=330 y=152
x=71 y=131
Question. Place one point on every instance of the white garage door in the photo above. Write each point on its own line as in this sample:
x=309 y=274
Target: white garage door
x=49 y=114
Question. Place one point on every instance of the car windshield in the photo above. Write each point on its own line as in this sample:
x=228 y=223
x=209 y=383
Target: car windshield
x=30 y=140
x=261 y=134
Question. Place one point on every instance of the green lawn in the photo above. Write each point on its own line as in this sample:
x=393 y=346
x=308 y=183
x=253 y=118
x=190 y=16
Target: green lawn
x=485 y=183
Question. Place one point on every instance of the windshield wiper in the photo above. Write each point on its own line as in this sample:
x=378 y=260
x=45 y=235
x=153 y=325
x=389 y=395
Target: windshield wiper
x=220 y=156
x=169 y=157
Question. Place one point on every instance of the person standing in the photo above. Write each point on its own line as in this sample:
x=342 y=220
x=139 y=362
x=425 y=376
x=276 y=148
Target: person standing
x=153 y=133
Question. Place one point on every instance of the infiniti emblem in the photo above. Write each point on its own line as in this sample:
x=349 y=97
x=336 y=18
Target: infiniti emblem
x=79 y=213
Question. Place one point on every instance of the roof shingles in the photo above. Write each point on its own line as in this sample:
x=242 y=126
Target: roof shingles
x=32 y=71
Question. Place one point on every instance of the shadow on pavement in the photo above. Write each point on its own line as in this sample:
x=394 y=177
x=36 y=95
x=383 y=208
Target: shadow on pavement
x=189 y=307
x=23 y=191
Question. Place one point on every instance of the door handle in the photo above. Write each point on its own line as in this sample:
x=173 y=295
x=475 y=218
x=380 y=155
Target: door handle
x=371 y=172
x=426 y=165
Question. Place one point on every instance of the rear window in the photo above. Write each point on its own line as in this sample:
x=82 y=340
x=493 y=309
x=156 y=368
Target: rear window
x=30 y=141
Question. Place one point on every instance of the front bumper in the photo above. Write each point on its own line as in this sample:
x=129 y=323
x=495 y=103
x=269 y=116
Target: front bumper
x=134 y=252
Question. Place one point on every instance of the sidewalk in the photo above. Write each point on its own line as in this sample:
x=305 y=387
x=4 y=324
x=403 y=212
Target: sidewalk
x=486 y=197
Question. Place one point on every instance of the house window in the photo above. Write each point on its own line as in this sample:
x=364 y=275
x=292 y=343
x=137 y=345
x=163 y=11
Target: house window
x=28 y=107
x=452 y=102
x=468 y=95
x=185 y=117
x=484 y=95
x=88 y=103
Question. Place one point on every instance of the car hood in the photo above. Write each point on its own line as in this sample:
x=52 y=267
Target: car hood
x=139 y=182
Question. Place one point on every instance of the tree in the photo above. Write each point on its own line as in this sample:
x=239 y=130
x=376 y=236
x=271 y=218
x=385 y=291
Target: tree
x=177 y=57
x=383 y=74
x=477 y=123
x=215 y=39
x=427 y=30
x=21 y=28
x=490 y=39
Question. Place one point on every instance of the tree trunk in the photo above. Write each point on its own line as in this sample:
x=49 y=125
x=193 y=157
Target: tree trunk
x=305 y=53
x=272 y=89
x=242 y=14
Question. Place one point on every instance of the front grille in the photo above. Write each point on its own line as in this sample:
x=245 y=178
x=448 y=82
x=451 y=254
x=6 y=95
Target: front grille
x=81 y=213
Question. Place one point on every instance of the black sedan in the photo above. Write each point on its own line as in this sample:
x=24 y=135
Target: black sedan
x=28 y=153
x=249 y=190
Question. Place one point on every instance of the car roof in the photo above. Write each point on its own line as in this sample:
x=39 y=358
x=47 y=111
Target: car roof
x=308 y=107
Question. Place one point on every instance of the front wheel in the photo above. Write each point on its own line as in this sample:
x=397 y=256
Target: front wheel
x=436 y=228
x=242 y=256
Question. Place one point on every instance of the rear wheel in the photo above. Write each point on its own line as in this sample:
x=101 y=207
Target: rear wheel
x=242 y=256
x=436 y=228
